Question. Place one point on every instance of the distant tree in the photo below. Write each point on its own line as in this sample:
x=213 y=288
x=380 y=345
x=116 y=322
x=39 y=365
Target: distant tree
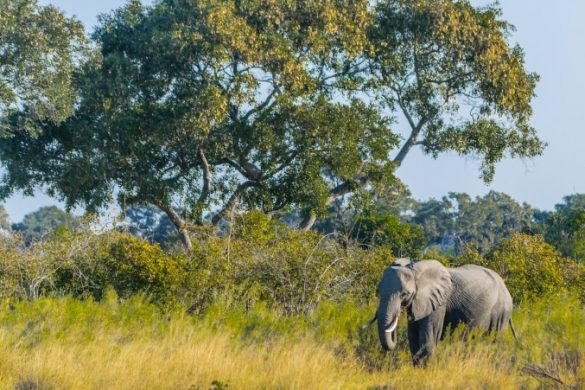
x=151 y=224
x=458 y=219
x=565 y=226
x=37 y=225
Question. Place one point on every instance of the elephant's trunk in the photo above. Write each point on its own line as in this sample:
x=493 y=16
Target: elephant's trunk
x=388 y=315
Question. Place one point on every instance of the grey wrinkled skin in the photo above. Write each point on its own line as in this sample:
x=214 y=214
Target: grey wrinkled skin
x=437 y=298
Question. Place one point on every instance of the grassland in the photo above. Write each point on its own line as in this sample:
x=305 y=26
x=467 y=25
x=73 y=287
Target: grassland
x=64 y=343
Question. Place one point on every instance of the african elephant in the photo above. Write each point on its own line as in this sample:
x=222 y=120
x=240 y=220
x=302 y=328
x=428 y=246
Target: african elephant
x=436 y=297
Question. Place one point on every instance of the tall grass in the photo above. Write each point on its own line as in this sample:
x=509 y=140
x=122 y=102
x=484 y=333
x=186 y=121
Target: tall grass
x=63 y=343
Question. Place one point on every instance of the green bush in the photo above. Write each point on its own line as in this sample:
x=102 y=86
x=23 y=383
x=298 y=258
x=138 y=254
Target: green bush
x=127 y=264
x=530 y=266
x=261 y=259
x=256 y=260
x=86 y=265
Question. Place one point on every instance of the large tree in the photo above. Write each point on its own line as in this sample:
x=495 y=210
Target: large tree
x=194 y=107
x=198 y=105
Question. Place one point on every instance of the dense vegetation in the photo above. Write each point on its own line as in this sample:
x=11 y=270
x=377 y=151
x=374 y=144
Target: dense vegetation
x=264 y=306
x=251 y=146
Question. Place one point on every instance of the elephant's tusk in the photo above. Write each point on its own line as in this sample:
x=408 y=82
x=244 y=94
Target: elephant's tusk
x=393 y=326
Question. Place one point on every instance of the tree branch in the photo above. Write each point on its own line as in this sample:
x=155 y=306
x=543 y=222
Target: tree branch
x=261 y=106
x=246 y=169
x=340 y=190
x=204 y=190
x=232 y=202
x=178 y=222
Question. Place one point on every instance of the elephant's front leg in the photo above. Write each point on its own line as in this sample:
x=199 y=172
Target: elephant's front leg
x=424 y=334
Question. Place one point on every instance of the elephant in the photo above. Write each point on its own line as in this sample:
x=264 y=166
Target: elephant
x=437 y=298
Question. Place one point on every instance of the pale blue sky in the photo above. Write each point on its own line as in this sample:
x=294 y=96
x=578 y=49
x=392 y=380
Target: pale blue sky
x=551 y=34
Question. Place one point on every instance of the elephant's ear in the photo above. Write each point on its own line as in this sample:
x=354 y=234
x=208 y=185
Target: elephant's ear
x=433 y=288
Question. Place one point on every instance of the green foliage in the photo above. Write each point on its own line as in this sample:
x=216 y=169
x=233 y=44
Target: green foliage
x=431 y=56
x=405 y=240
x=87 y=265
x=262 y=259
x=39 y=224
x=531 y=267
x=257 y=260
x=39 y=48
x=125 y=263
x=229 y=103
x=273 y=105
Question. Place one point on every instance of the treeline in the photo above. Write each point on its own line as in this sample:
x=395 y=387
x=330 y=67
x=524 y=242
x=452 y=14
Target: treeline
x=254 y=257
x=457 y=221
x=447 y=226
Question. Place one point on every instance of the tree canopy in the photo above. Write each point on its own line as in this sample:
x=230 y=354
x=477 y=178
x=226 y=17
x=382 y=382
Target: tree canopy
x=196 y=107
x=39 y=48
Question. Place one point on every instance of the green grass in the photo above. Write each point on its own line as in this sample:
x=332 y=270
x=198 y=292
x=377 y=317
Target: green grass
x=64 y=343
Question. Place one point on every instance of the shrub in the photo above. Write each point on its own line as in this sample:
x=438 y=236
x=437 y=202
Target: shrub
x=127 y=264
x=262 y=259
x=531 y=267
x=86 y=265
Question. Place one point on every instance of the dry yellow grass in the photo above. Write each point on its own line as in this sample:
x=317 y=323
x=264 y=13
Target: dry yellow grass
x=74 y=347
x=194 y=359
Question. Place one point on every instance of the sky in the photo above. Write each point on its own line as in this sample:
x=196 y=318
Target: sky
x=550 y=32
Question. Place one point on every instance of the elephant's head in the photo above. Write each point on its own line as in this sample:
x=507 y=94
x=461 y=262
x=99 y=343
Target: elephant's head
x=419 y=287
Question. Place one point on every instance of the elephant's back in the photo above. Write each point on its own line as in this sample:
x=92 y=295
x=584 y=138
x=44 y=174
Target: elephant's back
x=481 y=297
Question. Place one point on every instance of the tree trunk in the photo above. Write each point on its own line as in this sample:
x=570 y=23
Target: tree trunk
x=308 y=221
x=232 y=202
x=342 y=189
x=180 y=225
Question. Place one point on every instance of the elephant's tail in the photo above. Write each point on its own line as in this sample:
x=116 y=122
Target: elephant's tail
x=514 y=332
